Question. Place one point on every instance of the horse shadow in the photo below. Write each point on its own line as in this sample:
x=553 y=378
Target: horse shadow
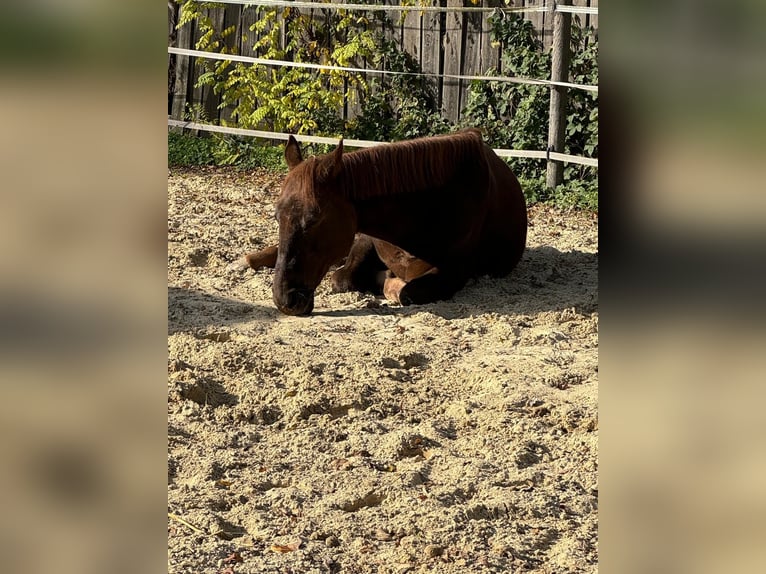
x=194 y=310
x=545 y=279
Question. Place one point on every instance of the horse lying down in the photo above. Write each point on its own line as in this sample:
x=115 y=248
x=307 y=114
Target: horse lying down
x=414 y=220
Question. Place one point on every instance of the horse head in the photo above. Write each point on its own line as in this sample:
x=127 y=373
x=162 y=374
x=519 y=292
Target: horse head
x=316 y=227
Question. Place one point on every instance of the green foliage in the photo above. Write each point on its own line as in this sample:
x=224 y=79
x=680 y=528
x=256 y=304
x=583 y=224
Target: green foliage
x=297 y=100
x=398 y=107
x=570 y=195
x=189 y=151
x=301 y=100
x=222 y=150
x=582 y=106
x=516 y=115
x=576 y=194
x=247 y=153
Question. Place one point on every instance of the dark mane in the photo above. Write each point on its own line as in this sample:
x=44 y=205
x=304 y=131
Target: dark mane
x=410 y=166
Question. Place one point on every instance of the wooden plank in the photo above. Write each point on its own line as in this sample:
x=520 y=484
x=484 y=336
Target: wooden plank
x=351 y=100
x=387 y=22
x=232 y=17
x=581 y=18
x=209 y=98
x=269 y=27
x=490 y=55
x=546 y=29
x=593 y=18
x=197 y=92
x=431 y=59
x=182 y=68
x=537 y=18
x=185 y=73
x=411 y=29
x=398 y=22
x=453 y=49
x=325 y=17
x=247 y=39
x=281 y=21
x=250 y=15
x=471 y=54
x=586 y=20
x=354 y=99
x=232 y=14
x=391 y=20
x=193 y=93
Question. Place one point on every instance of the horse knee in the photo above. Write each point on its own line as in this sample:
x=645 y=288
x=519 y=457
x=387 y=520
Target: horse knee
x=340 y=281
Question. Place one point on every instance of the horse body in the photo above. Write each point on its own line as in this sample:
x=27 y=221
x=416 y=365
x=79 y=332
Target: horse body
x=431 y=213
x=475 y=223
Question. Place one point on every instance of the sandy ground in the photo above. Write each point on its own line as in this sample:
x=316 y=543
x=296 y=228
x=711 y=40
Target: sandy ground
x=452 y=437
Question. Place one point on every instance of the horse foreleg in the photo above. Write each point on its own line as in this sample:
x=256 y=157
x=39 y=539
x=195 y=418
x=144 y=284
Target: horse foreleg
x=362 y=271
x=427 y=287
x=411 y=280
x=392 y=287
x=256 y=259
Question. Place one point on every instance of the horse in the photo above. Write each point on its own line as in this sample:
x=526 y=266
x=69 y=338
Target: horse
x=414 y=220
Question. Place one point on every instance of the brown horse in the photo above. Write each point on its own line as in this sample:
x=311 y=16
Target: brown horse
x=414 y=220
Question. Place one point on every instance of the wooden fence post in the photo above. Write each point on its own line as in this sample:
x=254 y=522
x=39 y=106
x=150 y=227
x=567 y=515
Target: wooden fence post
x=557 y=121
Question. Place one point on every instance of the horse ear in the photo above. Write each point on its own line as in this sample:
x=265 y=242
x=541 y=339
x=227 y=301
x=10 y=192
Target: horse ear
x=331 y=165
x=293 y=154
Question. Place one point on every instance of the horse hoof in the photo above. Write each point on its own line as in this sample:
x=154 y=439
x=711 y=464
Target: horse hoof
x=340 y=285
x=239 y=265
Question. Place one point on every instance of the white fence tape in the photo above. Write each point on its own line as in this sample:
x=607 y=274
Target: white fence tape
x=367 y=143
x=377 y=7
x=402 y=8
x=289 y=64
x=576 y=9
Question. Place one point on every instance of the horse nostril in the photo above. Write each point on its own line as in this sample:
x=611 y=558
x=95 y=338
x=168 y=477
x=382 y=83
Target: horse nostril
x=295 y=298
x=298 y=302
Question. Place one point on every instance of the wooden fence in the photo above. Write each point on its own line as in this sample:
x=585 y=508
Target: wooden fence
x=452 y=43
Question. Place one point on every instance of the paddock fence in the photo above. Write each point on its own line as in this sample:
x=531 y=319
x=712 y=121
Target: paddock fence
x=449 y=40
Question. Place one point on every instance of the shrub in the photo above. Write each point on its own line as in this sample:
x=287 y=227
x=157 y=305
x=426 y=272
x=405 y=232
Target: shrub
x=516 y=115
x=184 y=150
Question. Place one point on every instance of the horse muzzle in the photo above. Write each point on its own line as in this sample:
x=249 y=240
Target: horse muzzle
x=295 y=302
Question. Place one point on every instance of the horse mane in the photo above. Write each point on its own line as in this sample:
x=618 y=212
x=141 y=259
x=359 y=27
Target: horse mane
x=410 y=166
